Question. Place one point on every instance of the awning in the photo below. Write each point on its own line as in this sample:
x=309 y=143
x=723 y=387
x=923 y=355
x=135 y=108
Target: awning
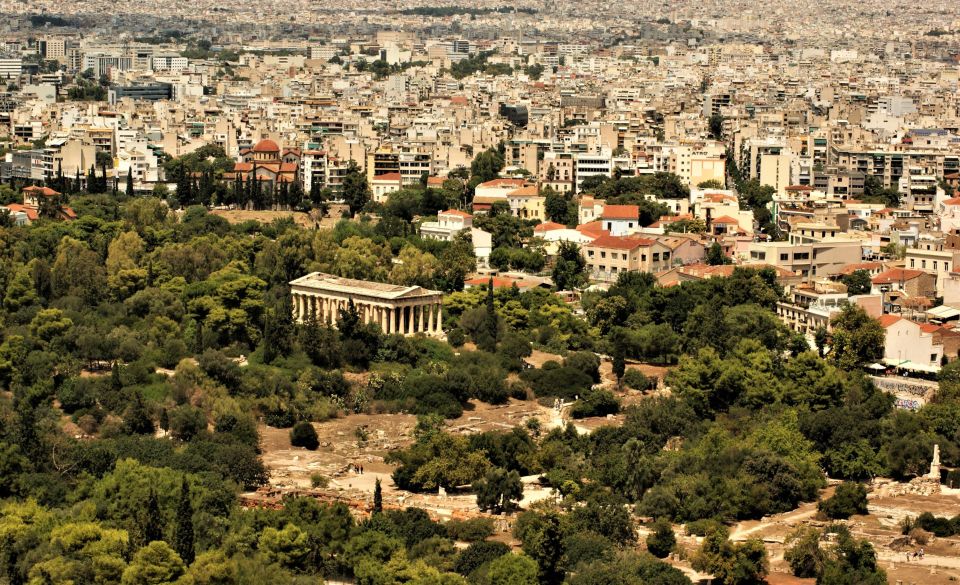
x=912 y=366
x=944 y=312
x=877 y=367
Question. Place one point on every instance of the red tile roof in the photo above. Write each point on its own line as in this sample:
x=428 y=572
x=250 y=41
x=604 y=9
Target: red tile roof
x=725 y=219
x=549 y=226
x=888 y=320
x=500 y=282
x=456 y=212
x=266 y=145
x=621 y=212
x=593 y=228
x=393 y=177
x=620 y=242
x=896 y=275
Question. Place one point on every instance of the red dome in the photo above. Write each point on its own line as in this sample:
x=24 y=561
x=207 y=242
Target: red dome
x=266 y=145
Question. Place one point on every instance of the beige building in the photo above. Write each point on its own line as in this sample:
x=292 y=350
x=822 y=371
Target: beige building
x=406 y=310
x=824 y=258
x=609 y=256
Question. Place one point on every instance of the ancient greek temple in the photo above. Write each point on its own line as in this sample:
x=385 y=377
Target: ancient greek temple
x=407 y=310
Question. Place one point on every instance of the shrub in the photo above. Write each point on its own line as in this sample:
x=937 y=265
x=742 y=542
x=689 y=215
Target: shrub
x=318 y=480
x=636 y=379
x=595 y=403
x=472 y=530
x=702 y=527
x=304 y=435
x=477 y=554
x=662 y=540
x=456 y=337
x=849 y=499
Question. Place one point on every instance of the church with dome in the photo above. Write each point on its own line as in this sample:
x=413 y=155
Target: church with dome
x=266 y=162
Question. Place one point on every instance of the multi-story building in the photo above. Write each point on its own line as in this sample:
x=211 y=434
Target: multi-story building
x=815 y=259
x=609 y=256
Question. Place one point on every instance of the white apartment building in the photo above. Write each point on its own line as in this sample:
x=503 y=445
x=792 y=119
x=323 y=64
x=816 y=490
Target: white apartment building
x=169 y=63
x=10 y=67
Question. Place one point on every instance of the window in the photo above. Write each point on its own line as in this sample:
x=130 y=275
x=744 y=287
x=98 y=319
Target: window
x=590 y=253
x=666 y=255
x=913 y=263
x=624 y=256
x=934 y=264
x=656 y=256
x=643 y=257
x=923 y=264
x=784 y=257
x=933 y=358
x=603 y=254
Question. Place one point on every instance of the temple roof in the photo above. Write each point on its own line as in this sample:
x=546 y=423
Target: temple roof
x=350 y=286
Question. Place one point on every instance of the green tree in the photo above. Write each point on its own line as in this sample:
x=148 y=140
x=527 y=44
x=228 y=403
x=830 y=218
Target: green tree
x=570 y=268
x=661 y=540
x=498 y=491
x=715 y=255
x=154 y=564
x=129 y=189
x=731 y=563
x=849 y=499
x=184 y=534
x=857 y=338
x=557 y=207
x=716 y=126
x=377 y=498
x=511 y=569
x=542 y=538
x=803 y=552
x=858 y=282
x=304 y=435
x=356 y=190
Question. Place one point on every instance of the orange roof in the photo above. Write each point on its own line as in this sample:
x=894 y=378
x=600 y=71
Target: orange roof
x=929 y=327
x=435 y=181
x=725 y=219
x=388 y=177
x=494 y=183
x=459 y=100
x=798 y=188
x=896 y=275
x=888 y=320
x=528 y=191
x=266 y=145
x=32 y=213
x=620 y=242
x=851 y=268
x=456 y=212
x=952 y=201
x=593 y=228
x=549 y=226
x=621 y=212
x=45 y=191
x=500 y=282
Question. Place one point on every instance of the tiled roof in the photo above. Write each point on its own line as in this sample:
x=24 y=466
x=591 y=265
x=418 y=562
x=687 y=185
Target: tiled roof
x=621 y=212
x=896 y=275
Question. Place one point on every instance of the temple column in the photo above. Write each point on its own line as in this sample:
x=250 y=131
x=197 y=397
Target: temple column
x=388 y=320
x=409 y=326
x=296 y=308
x=429 y=328
x=439 y=319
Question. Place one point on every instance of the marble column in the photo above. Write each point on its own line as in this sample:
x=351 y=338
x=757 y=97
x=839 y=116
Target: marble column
x=439 y=319
x=429 y=328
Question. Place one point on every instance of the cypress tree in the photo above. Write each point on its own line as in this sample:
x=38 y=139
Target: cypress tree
x=152 y=520
x=488 y=339
x=183 y=537
x=377 y=498
x=130 y=182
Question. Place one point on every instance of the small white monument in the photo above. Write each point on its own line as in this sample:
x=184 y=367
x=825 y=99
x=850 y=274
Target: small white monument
x=935 y=464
